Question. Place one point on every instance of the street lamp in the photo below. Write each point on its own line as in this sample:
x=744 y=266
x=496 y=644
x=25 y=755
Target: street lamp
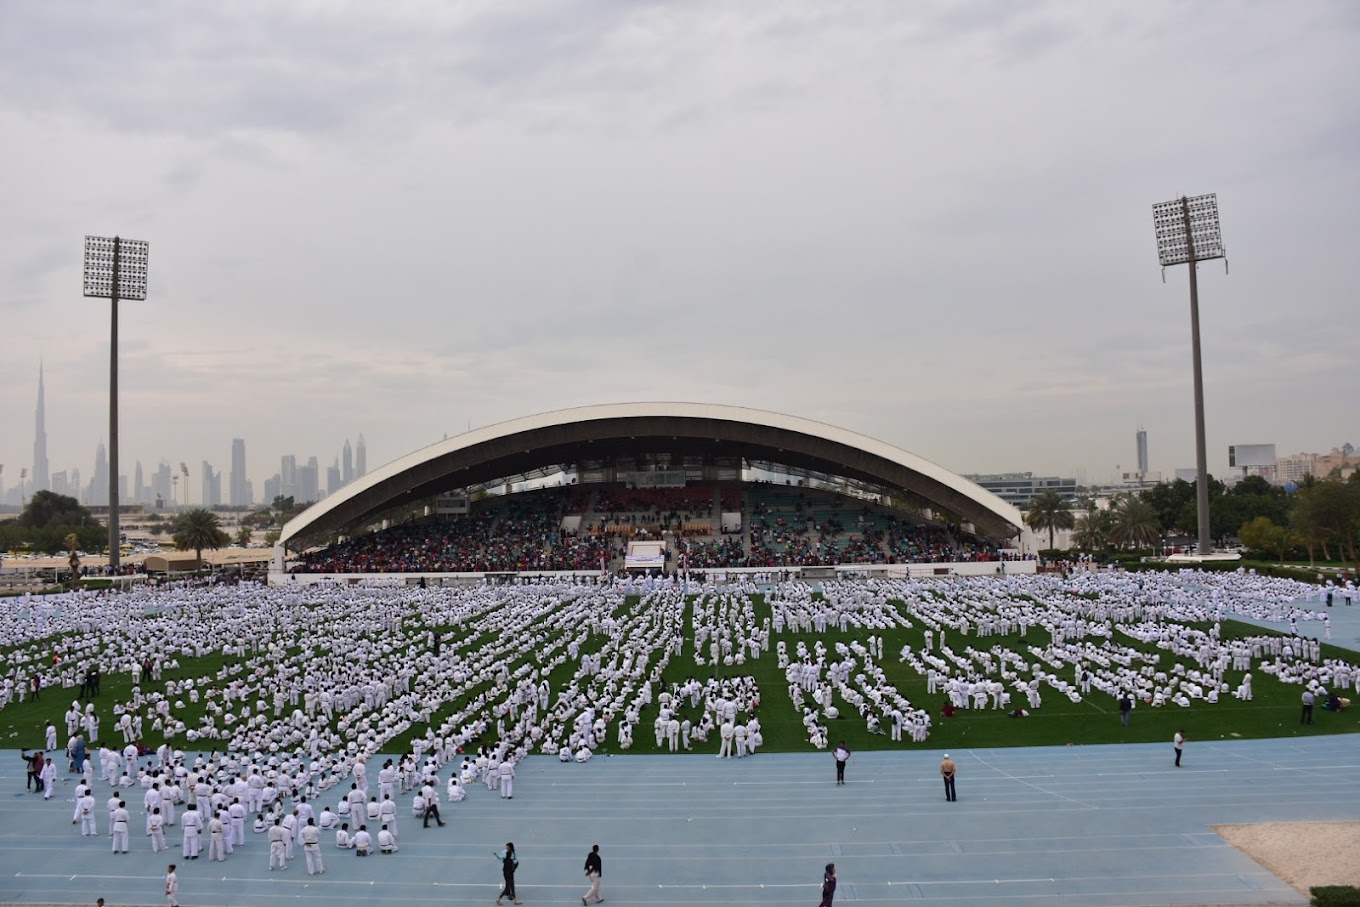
x=115 y=268
x=1188 y=233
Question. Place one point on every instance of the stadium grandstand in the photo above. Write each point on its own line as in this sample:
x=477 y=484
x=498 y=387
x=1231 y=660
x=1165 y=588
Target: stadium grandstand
x=663 y=488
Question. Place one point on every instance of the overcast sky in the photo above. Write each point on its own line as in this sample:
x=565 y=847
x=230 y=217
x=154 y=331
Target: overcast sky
x=927 y=222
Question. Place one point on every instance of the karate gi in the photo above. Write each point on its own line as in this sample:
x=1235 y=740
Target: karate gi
x=192 y=827
x=311 y=849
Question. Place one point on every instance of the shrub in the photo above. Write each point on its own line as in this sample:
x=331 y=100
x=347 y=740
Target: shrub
x=1335 y=896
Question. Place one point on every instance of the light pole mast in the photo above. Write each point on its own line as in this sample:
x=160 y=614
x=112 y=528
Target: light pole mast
x=1188 y=233
x=115 y=268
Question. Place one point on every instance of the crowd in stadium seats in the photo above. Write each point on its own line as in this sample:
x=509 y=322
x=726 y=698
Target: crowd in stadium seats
x=785 y=527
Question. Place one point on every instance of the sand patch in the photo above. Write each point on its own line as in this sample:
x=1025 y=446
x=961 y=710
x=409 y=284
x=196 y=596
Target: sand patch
x=1304 y=854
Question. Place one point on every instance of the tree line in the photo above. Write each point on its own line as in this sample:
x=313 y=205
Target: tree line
x=1319 y=517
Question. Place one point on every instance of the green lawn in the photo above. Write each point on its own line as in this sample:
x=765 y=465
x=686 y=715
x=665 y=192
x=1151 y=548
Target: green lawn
x=1273 y=713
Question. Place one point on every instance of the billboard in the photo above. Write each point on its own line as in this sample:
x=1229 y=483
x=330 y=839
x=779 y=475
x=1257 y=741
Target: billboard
x=1248 y=456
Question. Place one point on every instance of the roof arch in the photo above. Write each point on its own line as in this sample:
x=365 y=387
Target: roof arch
x=569 y=435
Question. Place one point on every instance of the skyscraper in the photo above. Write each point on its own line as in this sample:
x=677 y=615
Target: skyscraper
x=98 y=492
x=40 y=480
x=361 y=458
x=1142 y=452
x=288 y=477
x=212 y=486
x=138 y=485
x=347 y=464
x=309 y=482
x=162 y=489
x=333 y=482
x=239 y=495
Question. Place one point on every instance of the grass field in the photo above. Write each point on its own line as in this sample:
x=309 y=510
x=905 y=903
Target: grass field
x=1273 y=713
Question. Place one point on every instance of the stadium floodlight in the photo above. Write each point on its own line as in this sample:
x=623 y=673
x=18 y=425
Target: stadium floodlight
x=1188 y=233
x=115 y=268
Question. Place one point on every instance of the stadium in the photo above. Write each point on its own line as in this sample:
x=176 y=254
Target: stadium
x=660 y=487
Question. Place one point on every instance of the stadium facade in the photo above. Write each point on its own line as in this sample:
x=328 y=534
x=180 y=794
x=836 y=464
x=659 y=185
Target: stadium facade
x=656 y=444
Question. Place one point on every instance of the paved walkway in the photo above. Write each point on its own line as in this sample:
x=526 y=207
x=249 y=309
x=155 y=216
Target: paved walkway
x=1110 y=826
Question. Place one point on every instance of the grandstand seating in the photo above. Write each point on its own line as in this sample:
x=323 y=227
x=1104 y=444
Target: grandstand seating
x=782 y=526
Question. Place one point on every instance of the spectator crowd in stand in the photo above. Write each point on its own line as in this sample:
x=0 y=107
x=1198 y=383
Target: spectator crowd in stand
x=528 y=532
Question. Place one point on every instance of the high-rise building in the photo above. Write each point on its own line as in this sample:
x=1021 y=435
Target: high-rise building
x=333 y=481
x=39 y=479
x=273 y=488
x=239 y=495
x=361 y=458
x=288 y=477
x=1142 y=451
x=309 y=482
x=347 y=464
x=212 y=486
x=58 y=480
x=162 y=488
x=138 y=485
x=73 y=483
x=98 y=492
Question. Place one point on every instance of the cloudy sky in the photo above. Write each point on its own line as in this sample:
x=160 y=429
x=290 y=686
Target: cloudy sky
x=927 y=222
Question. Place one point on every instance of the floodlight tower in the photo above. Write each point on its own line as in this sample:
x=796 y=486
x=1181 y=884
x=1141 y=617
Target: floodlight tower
x=1188 y=233
x=115 y=268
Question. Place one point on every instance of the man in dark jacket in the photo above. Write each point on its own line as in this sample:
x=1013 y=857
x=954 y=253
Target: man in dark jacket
x=594 y=870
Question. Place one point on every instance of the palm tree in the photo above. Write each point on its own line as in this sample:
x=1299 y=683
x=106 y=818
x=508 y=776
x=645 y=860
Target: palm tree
x=1047 y=510
x=198 y=529
x=1091 y=531
x=1134 y=522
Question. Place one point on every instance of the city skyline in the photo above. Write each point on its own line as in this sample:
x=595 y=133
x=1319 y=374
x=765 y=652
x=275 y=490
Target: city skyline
x=307 y=482
x=928 y=223
x=166 y=481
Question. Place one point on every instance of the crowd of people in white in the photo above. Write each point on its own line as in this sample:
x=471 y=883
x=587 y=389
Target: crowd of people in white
x=316 y=683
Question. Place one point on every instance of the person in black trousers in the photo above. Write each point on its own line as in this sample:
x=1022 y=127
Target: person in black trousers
x=1308 y=700
x=828 y=885
x=842 y=754
x=509 y=863
x=947 y=770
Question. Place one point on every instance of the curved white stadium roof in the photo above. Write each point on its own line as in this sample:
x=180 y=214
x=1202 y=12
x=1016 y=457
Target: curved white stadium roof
x=508 y=447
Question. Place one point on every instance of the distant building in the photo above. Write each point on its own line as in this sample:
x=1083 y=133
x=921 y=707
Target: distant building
x=333 y=476
x=309 y=482
x=238 y=484
x=1188 y=475
x=288 y=476
x=1141 y=441
x=212 y=486
x=273 y=488
x=1341 y=460
x=1019 y=488
x=38 y=479
x=162 y=486
x=347 y=464
x=98 y=491
x=1292 y=468
x=361 y=458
